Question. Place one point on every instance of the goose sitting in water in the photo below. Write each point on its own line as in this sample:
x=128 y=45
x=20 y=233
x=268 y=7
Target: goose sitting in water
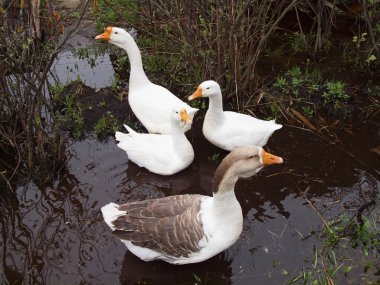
x=161 y=154
x=188 y=228
x=229 y=130
x=150 y=103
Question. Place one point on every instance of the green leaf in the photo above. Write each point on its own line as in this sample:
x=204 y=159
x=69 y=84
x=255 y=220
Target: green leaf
x=284 y=272
x=275 y=263
x=347 y=269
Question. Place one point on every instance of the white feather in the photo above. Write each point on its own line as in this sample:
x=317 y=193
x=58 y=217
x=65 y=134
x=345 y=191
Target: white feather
x=230 y=130
x=150 y=103
x=160 y=154
x=110 y=213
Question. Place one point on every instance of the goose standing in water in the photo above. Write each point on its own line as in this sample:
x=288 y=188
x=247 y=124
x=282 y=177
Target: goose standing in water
x=189 y=228
x=160 y=154
x=229 y=130
x=151 y=103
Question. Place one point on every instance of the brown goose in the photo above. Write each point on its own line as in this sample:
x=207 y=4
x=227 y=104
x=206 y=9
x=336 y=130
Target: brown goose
x=189 y=228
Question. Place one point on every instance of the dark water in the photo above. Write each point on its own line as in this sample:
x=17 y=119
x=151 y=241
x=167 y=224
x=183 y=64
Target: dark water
x=56 y=235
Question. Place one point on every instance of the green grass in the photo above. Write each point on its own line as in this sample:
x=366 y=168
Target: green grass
x=308 y=111
x=56 y=90
x=306 y=87
x=335 y=94
x=68 y=111
x=330 y=256
x=106 y=125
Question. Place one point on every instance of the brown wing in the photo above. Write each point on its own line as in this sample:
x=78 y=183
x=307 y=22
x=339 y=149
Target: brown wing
x=169 y=225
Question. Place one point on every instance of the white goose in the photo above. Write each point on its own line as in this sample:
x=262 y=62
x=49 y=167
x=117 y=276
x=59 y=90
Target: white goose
x=161 y=154
x=150 y=103
x=229 y=130
x=188 y=228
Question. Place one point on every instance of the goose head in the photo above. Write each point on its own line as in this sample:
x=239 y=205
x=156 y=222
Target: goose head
x=116 y=36
x=207 y=88
x=181 y=116
x=242 y=162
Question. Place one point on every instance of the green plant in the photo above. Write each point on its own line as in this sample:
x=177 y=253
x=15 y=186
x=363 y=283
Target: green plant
x=119 y=96
x=335 y=94
x=115 y=81
x=215 y=156
x=188 y=46
x=281 y=83
x=367 y=236
x=313 y=87
x=363 y=50
x=106 y=125
x=298 y=42
x=275 y=111
x=102 y=104
x=90 y=54
x=122 y=61
x=78 y=124
x=329 y=258
x=56 y=90
x=114 y=11
x=71 y=116
x=297 y=82
x=371 y=59
x=308 y=111
x=155 y=63
x=358 y=40
x=295 y=72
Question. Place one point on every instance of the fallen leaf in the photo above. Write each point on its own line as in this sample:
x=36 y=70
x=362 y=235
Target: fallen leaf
x=376 y=150
x=305 y=121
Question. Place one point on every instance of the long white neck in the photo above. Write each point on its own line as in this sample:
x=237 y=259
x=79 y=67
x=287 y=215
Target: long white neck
x=227 y=214
x=137 y=77
x=178 y=136
x=224 y=191
x=215 y=108
x=224 y=200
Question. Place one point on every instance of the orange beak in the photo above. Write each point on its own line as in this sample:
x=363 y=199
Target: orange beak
x=185 y=117
x=268 y=158
x=106 y=35
x=196 y=94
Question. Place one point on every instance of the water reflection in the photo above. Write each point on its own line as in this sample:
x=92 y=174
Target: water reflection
x=69 y=67
x=216 y=270
x=55 y=235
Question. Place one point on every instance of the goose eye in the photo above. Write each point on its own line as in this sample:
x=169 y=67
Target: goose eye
x=208 y=88
x=254 y=156
x=116 y=33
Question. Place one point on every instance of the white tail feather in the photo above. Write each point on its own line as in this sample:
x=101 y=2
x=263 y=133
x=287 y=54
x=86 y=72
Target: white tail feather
x=111 y=213
x=277 y=127
x=130 y=130
x=121 y=136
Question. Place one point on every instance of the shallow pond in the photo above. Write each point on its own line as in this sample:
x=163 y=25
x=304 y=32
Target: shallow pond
x=56 y=235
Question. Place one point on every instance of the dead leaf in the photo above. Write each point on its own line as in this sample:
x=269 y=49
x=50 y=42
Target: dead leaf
x=305 y=121
x=350 y=132
x=335 y=123
x=375 y=150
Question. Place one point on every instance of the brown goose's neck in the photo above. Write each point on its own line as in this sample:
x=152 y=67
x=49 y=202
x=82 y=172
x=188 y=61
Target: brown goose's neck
x=224 y=179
